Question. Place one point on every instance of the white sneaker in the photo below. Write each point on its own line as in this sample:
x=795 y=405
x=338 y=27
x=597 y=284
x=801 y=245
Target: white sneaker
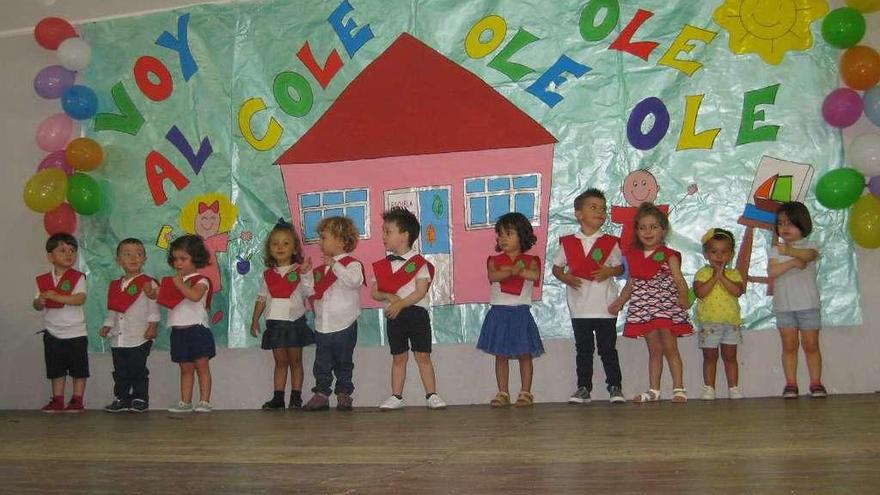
x=734 y=393
x=708 y=393
x=436 y=402
x=203 y=407
x=181 y=407
x=392 y=403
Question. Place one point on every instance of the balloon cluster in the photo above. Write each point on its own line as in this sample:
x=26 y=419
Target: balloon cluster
x=60 y=175
x=860 y=71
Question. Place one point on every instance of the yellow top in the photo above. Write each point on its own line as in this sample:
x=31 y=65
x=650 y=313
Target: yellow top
x=719 y=306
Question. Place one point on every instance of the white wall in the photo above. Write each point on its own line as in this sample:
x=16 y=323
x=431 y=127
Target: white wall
x=242 y=377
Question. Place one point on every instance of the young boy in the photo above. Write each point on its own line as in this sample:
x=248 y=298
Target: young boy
x=61 y=294
x=337 y=304
x=131 y=323
x=592 y=258
x=401 y=280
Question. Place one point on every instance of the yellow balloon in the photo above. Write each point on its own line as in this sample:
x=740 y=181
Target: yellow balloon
x=45 y=190
x=864 y=5
x=864 y=221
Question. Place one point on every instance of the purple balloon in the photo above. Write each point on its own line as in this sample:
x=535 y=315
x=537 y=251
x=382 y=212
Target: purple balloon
x=842 y=107
x=53 y=81
x=874 y=185
x=56 y=159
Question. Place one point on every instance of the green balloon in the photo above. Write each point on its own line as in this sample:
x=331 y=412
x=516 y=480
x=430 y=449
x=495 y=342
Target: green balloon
x=692 y=296
x=843 y=27
x=84 y=194
x=840 y=188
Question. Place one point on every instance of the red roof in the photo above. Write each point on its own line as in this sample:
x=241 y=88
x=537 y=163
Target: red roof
x=412 y=100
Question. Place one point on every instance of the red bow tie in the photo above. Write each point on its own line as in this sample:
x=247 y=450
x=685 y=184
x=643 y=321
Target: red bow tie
x=215 y=207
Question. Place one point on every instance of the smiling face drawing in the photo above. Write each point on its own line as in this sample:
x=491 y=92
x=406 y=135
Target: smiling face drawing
x=638 y=187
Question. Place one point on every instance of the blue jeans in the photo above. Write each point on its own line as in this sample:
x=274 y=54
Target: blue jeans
x=333 y=356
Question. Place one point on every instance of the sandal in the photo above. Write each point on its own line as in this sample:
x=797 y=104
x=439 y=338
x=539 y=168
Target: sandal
x=502 y=399
x=525 y=399
x=651 y=395
x=679 y=395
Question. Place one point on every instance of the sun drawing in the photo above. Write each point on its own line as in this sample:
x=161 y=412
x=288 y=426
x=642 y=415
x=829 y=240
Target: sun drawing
x=769 y=28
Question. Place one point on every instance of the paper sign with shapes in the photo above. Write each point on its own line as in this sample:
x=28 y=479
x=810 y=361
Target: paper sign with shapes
x=776 y=181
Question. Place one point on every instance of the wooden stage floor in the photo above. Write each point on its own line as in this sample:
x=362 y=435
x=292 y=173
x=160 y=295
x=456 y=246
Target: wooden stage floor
x=749 y=446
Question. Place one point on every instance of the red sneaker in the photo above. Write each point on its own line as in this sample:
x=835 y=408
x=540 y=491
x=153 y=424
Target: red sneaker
x=55 y=405
x=75 y=406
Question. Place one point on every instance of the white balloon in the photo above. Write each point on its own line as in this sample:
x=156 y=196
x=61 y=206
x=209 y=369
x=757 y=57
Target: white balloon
x=863 y=154
x=74 y=54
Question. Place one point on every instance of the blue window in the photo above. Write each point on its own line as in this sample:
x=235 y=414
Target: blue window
x=351 y=203
x=487 y=198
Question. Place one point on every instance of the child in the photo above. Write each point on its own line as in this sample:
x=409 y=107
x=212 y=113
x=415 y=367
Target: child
x=718 y=289
x=131 y=322
x=509 y=330
x=792 y=266
x=61 y=294
x=402 y=280
x=658 y=309
x=187 y=295
x=287 y=282
x=337 y=304
x=592 y=258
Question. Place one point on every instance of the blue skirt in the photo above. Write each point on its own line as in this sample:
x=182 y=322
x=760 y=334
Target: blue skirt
x=510 y=331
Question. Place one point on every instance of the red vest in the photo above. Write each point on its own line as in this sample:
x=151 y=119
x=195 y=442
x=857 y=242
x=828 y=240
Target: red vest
x=645 y=267
x=583 y=265
x=323 y=281
x=390 y=282
x=120 y=300
x=170 y=296
x=514 y=284
x=281 y=287
x=65 y=286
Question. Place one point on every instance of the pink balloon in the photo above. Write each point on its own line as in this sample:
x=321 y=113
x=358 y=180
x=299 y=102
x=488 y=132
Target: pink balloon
x=54 y=132
x=56 y=159
x=842 y=107
x=61 y=220
x=874 y=186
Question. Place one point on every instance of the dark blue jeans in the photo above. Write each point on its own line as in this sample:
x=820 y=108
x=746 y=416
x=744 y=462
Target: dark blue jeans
x=333 y=356
x=130 y=373
x=606 y=338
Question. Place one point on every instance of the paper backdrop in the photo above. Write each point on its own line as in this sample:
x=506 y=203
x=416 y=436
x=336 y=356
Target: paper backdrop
x=219 y=119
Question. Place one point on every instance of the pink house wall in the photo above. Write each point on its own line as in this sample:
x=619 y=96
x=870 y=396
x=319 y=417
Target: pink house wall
x=469 y=247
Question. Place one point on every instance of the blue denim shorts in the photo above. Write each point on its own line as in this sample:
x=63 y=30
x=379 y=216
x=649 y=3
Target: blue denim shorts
x=191 y=343
x=711 y=335
x=804 y=319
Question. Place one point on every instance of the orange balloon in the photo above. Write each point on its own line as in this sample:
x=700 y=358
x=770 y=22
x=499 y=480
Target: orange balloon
x=84 y=154
x=860 y=67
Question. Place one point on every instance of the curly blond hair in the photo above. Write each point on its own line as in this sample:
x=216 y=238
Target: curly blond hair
x=341 y=228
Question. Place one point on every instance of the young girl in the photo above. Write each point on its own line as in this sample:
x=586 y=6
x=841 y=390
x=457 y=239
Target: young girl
x=658 y=309
x=287 y=282
x=509 y=331
x=718 y=289
x=792 y=267
x=187 y=295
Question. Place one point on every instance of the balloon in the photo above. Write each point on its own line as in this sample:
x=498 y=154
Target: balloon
x=860 y=67
x=54 y=132
x=843 y=27
x=692 y=296
x=56 y=159
x=864 y=222
x=863 y=153
x=81 y=103
x=840 y=188
x=51 y=31
x=874 y=185
x=61 y=220
x=84 y=154
x=45 y=190
x=871 y=104
x=842 y=107
x=74 y=54
x=53 y=81
x=84 y=194
x=865 y=6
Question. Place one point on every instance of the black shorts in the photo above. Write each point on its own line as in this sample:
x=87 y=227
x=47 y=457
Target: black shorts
x=66 y=356
x=283 y=333
x=412 y=327
x=191 y=343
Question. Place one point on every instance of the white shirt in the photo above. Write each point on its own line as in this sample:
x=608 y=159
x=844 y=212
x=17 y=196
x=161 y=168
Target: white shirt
x=795 y=289
x=593 y=298
x=127 y=329
x=293 y=307
x=410 y=287
x=341 y=304
x=70 y=321
x=498 y=298
x=189 y=313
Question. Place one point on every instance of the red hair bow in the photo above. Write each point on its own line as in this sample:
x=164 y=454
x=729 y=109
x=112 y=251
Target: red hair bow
x=215 y=207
